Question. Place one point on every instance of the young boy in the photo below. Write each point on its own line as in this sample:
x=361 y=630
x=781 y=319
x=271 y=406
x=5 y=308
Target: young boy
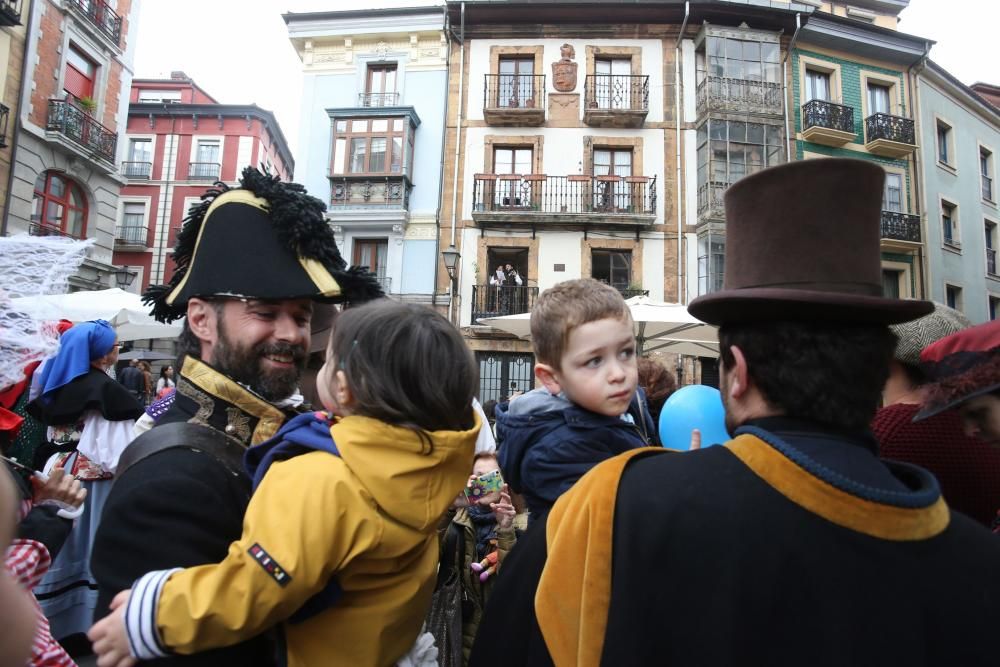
x=588 y=408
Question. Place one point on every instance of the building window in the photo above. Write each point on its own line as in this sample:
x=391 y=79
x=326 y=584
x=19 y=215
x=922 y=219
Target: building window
x=512 y=160
x=373 y=255
x=892 y=198
x=750 y=60
x=613 y=267
x=986 y=173
x=501 y=374
x=949 y=224
x=994 y=305
x=371 y=146
x=943 y=143
x=58 y=206
x=159 y=97
x=890 y=283
x=879 y=98
x=613 y=83
x=207 y=163
x=711 y=263
x=516 y=83
x=80 y=74
x=133 y=227
x=730 y=150
x=381 y=79
x=953 y=297
x=991 y=248
x=817 y=86
x=612 y=196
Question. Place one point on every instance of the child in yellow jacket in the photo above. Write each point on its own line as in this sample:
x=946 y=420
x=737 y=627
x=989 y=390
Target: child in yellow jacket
x=339 y=546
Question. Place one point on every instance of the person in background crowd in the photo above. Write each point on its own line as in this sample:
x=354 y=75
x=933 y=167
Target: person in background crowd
x=89 y=418
x=967 y=468
x=166 y=382
x=20 y=620
x=146 y=386
x=131 y=377
x=240 y=359
x=588 y=408
x=793 y=543
x=658 y=383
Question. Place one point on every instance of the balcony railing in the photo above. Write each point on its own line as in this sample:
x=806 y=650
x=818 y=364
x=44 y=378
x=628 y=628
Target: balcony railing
x=538 y=193
x=137 y=170
x=102 y=16
x=890 y=128
x=79 y=127
x=718 y=93
x=4 y=117
x=710 y=199
x=10 y=12
x=378 y=99
x=991 y=261
x=820 y=113
x=204 y=171
x=370 y=192
x=987 y=185
x=514 y=91
x=42 y=229
x=131 y=231
x=900 y=226
x=499 y=300
x=617 y=92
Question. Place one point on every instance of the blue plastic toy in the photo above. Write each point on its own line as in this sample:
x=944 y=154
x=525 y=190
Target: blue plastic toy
x=696 y=406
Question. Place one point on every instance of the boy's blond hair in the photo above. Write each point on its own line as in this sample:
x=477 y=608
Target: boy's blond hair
x=569 y=304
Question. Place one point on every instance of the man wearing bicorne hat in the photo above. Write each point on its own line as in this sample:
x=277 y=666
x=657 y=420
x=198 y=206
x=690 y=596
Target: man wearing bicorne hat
x=251 y=263
x=793 y=543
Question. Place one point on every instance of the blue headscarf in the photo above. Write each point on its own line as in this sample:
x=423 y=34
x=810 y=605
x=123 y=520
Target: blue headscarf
x=79 y=346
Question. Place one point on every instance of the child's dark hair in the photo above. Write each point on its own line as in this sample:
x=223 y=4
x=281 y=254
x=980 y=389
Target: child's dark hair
x=406 y=365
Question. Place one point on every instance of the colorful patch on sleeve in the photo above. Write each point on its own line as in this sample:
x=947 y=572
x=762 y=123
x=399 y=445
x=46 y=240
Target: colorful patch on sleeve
x=271 y=566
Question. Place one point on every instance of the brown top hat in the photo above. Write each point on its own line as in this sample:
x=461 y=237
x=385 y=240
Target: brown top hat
x=802 y=244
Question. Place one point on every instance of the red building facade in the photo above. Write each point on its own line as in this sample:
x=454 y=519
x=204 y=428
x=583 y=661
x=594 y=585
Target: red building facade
x=179 y=140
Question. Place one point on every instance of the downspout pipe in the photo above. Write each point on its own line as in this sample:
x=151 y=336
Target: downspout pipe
x=458 y=150
x=918 y=176
x=789 y=138
x=441 y=172
x=17 y=117
x=678 y=93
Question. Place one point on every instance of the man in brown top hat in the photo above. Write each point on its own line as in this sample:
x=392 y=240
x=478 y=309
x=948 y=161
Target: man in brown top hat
x=792 y=544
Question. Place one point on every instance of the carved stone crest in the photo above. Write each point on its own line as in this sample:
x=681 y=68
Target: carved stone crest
x=564 y=70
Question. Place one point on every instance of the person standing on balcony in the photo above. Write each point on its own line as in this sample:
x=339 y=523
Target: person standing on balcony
x=515 y=300
x=497 y=299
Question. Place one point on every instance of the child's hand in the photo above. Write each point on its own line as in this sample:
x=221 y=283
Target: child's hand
x=109 y=638
x=60 y=488
x=695 y=440
x=504 y=510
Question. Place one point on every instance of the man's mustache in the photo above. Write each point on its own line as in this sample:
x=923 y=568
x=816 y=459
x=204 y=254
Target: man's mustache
x=296 y=352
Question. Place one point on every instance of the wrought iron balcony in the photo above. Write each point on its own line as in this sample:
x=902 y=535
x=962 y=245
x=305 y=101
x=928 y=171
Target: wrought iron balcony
x=991 y=261
x=378 y=99
x=827 y=123
x=76 y=125
x=889 y=136
x=42 y=229
x=4 y=117
x=98 y=13
x=137 y=170
x=718 y=93
x=710 y=200
x=500 y=300
x=369 y=192
x=10 y=12
x=514 y=99
x=613 y=100
x=987 y=183
x=204 y=171
x=898 y=226
x=131 y=232
x=537 y=198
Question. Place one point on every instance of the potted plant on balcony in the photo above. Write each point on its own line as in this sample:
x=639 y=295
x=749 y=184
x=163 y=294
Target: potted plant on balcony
x=87 y=104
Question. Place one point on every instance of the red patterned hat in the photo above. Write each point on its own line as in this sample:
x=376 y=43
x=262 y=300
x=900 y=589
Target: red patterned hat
x=961 y=366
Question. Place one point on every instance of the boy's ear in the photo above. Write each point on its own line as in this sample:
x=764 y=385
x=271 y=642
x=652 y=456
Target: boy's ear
x=343 y=395
x=547 y=376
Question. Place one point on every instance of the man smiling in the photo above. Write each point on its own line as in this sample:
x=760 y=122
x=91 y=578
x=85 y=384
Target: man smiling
x=250 y=264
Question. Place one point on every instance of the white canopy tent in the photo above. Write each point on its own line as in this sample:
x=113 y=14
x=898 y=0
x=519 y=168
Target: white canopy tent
x=659 y=326
x=124 y=310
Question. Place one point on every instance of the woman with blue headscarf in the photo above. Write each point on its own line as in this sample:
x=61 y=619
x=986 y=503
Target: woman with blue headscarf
x=89 y=418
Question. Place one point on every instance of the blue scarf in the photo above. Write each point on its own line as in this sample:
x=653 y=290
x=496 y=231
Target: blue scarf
x=485 y=523
x=80 y=345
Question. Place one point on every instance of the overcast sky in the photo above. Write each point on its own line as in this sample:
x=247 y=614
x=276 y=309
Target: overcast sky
x=238 y=50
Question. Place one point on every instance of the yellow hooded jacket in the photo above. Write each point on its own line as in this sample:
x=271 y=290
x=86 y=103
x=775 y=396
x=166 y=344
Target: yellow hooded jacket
x=368 y=518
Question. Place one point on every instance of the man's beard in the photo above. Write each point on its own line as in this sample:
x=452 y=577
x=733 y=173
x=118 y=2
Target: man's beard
x=731 y=424
x=245 y=365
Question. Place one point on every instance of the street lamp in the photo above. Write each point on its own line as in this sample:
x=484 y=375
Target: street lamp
x=451 y=257
x=123 y=277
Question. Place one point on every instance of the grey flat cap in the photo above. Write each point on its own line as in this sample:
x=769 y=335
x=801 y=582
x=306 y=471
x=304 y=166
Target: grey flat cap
x=917 y=334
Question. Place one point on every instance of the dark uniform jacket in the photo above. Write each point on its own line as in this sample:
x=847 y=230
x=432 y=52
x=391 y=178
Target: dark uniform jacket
x=182 y=507
x=790 y=545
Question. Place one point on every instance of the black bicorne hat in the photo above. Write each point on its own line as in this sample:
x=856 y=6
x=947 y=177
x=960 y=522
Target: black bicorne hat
x=264 y=240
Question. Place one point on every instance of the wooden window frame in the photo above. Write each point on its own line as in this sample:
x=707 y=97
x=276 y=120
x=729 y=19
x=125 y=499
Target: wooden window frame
x=348 y=134
x=46 y=196
x=381 y=67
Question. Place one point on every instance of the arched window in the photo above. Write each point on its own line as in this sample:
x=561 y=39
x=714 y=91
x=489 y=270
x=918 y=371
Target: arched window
x=59 y=206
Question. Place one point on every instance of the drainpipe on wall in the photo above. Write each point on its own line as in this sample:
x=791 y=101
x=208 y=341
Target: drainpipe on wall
x=17 y=118
x=918 y=176
x=458 y=149
x=163 y=233
x=441 y=174
x=678 y=92
x=789 y=138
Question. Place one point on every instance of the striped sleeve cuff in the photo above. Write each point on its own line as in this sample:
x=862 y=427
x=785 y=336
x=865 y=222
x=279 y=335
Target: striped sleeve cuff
x=140 y=616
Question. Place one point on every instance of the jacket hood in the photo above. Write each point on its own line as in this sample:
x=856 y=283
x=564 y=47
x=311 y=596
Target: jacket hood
x=412 y=478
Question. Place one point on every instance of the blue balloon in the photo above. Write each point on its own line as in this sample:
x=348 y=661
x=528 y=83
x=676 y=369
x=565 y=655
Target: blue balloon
x=695 y=406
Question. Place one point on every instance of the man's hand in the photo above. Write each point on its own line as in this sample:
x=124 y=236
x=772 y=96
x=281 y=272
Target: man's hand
x=504 y=510
x=59 y=488
x=109 y=637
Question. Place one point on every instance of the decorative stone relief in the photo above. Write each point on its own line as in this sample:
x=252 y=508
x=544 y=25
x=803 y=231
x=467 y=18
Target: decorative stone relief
x=564 y=70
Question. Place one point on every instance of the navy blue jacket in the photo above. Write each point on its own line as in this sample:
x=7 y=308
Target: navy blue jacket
x=546 y=443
